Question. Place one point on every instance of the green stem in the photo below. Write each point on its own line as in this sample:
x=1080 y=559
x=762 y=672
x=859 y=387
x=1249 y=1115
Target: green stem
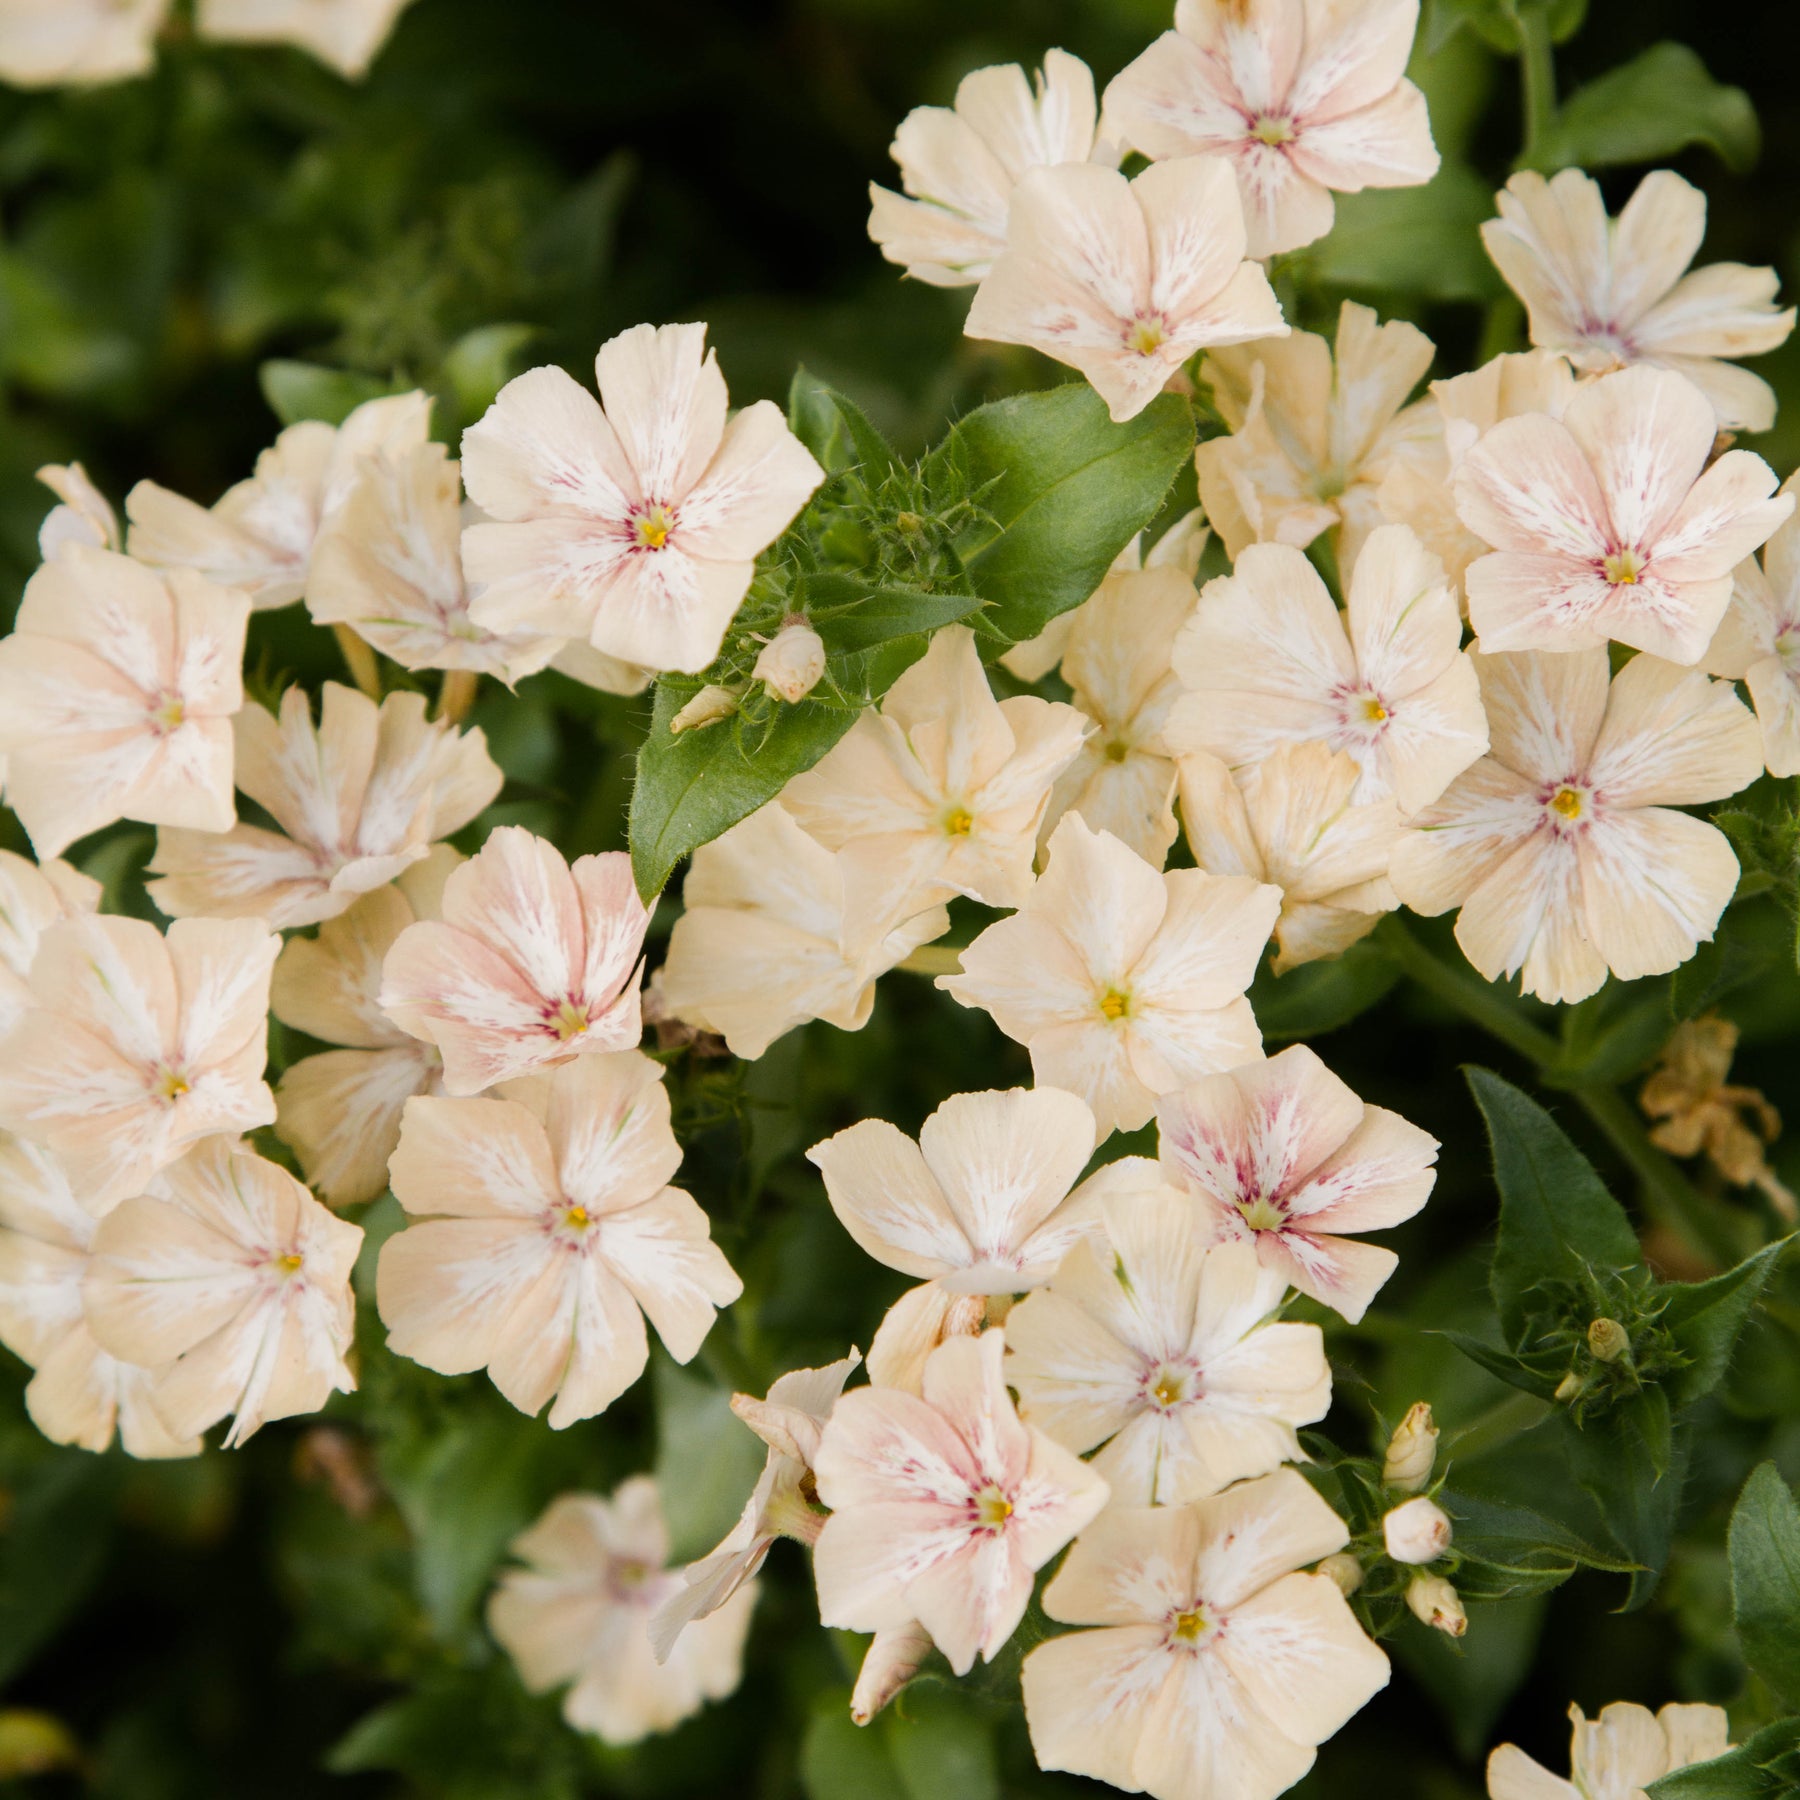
x=1537 y=77
x=1500 y=1424
x=1477 y=999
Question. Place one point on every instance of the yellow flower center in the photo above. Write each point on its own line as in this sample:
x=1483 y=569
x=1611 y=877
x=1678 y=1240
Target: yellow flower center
x=569 y=1020
x=578 y=1218
x=1114 y=1005
x=1261 y=1214
x=1147 y=336
x=652 y=528
x=992 y=1508
x=958 y=822
x=1272 y=129
x=1373 y=712
x=1623 y=567
x=291 y=1264
x=1189 y=1627
x=170 y=714
x=172 y=1084
x=1169 y=1389
x=1566 y=802
x=1117 y=751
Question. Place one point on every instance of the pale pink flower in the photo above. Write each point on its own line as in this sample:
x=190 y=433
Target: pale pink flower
x=136 y=1044
x=959 y=165
x=1283 y=1155
x=79 y=1395
x=347 y=34
x=1217 y=1667
x=938 y=793
x=1609 y=292
x=1560 y=846
x=1616 y=1756
x=260 y=534
x=77 y=43
x=82 y=514
x=1609 y=522
x=1122 y=982
x=1125 y=280
x=789 y=1421
x=233 y=1282
x=1758 y=641
x=339 y=1111
x=116 y=694
x=360 y=797
x=1303 y=96
x=32 y=898
x=635 y=521
x=1165 y=1352
x=943 y=1505
x=1314 y=432
x=545 y=1230
x=595 y=1572
x=532 y=962
x=758 y=948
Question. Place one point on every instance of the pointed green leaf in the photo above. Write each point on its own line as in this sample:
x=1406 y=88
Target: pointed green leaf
x=1753 y=1771
x=1706 y=1318
x=1633 y=1461
x=299 y=391
x=1503 y=1363
x=835 y=429
x=1765 y=1579
x=849 y=615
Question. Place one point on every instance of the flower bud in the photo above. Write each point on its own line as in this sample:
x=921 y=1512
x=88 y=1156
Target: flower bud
x=791 y=662
x=1411 y=1451
x=706 y=708
x=1436 y=1603
x=890 y=1662
x=1608 y=1340
x=1416 y=1532
x=1345 y=1570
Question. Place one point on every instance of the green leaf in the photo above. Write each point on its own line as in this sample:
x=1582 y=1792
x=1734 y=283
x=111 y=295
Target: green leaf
x=1319 y=997
x=54 y=1541
x=1064 y=490
x=1705 y=1318
x=1764 y=1547
x=840 y=1760
x=1419 y=240
x=479 y=364
x=871 y=616
x=1659 y=103
x=707 y=1459
x=299 y=391
x=1633 y=1461
x=942 y=1745
x=835 y=428
x=1504 y=1532
x=1495 y=22
x=1753 y=1771
x=1508 y=1367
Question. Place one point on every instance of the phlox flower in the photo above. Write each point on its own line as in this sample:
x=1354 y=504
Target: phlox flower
x=938 y=793
x=1758 y=641
x=116 y=695
x=1217 y=1666
x=758 y=948
x=634 y=521
x=1125 y=280
x=339 y=1111
x=595 y=1571
x=1610 y=523
x=1610 y=292
x=346 y=34
x=1302 y=96
x=1122 y=982
x=77 y=43
x=943 y=1505
x=1269 y=660
x=1560 y=846
x=1163 y=1351
x=545 y=1230
x=1314 y=431
x=231 y=1281
x=32 y=898
x=82 y=514
x=1281 y=1154
x=79 y=1394
x=136 y=1044
x=260 y=534
x=360 y=797
x=531 y=962
x=1616 y=1756
x=959 y=165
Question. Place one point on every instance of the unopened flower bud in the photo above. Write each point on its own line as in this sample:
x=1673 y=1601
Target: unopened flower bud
x=1416 y=1532
x=1437 y=1604
x=1411 y=1451
x=1608 y=1340
x=890 y=1662
x=1345 y=1570
x=791 y=662
x=1569 y=1388
x=706 y=708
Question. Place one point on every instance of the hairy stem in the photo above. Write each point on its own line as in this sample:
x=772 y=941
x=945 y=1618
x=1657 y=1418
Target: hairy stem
x=1537 y=78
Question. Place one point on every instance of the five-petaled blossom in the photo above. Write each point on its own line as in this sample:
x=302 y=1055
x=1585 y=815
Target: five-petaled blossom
x=1282 y=1154
x=1217 y=1666
x=1616 y=1756
x=1758 y=641
x=633 y=521
x=344 y=33
x=544 y=1230
x=1125 y=280
x=1610 y=292
x=1610 y=522
x=943 y=1505
x=1560 y=846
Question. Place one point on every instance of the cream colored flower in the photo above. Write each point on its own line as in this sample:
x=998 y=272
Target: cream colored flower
x=534 y=961
x=1616 y=1756
x=116 y=694
x=1163 y=1351
x=82 y=514
x=1758 y=641
x=1123 y=983
x=1217 y=1666
x=1313 y=432
x=1560 y=846
x=347 y=34
x=943 y=1505
x=260 y=535
x=938 y=793
x=339 y=1111
x=1125 y=280
x=1608 y=292
x=136 y=1044
x=1304 y=97
x=33 y=898
x=959 y=166
x=79 y=1395
x=361 y=797
x=595 y=1572
x=545 y=1230
x=759 y=948
x=231 y=1281
x=1416 y=1531
x=1289 y=821
x=77 y=43
x=1282 y=1154
x=635 y=521
x=1610 y=522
